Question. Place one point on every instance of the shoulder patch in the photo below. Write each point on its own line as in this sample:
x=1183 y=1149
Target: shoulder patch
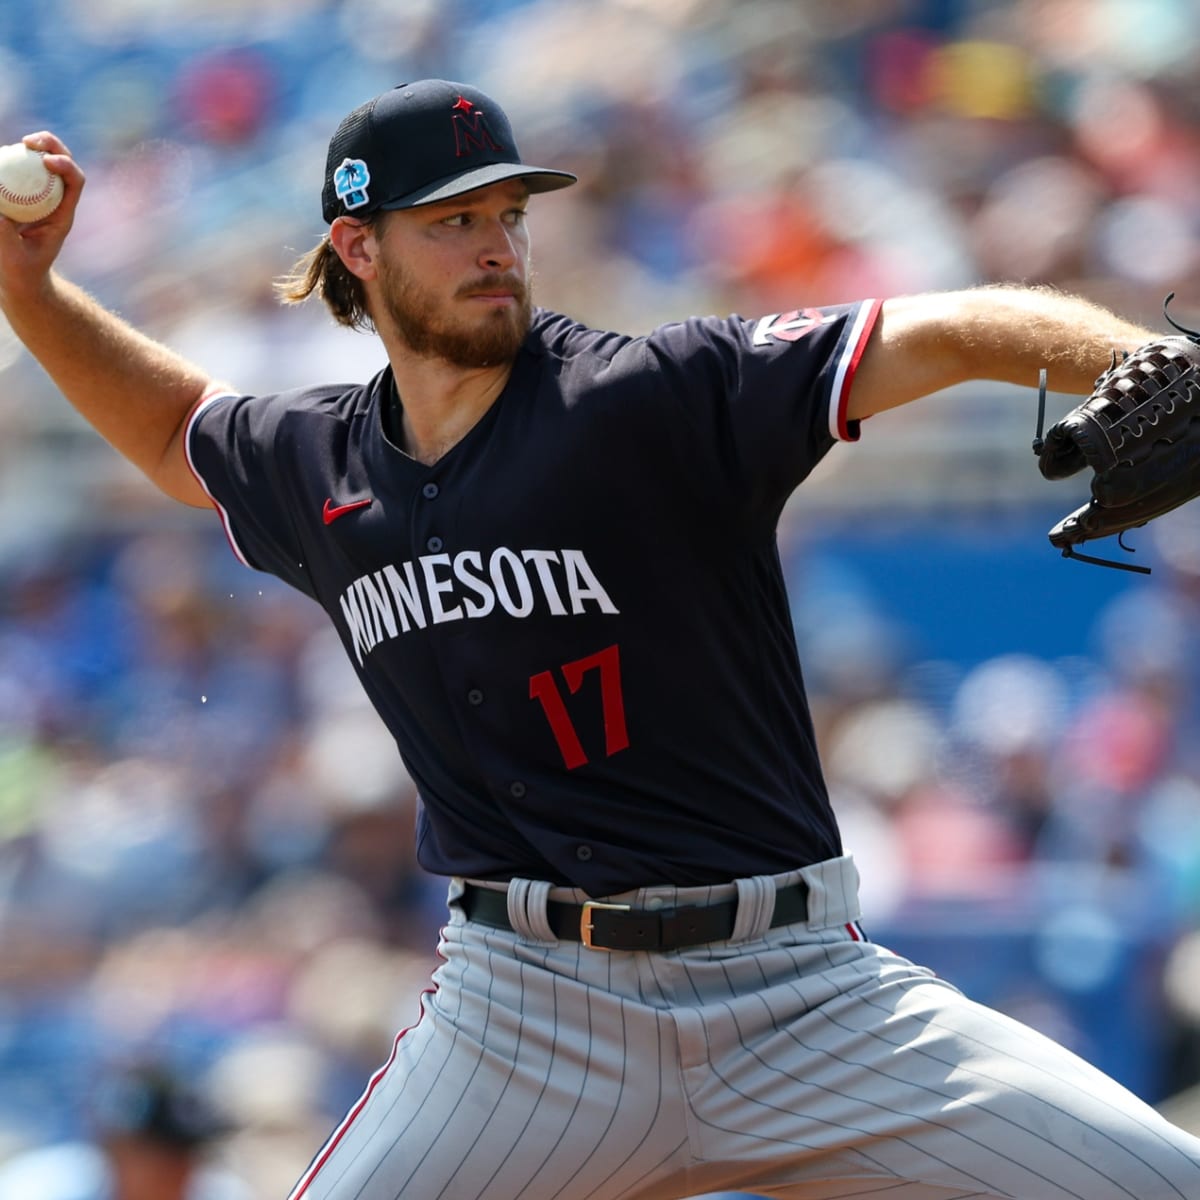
x=789 y=326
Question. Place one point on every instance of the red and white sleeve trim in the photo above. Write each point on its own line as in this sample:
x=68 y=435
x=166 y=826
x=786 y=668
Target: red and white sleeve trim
x=864 y=321
x=211 y=396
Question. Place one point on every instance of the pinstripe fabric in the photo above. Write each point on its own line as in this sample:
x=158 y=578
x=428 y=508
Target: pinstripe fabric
x=804 y=1062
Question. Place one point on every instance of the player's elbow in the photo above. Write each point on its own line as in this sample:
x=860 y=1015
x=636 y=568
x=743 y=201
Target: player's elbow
x=172 y=471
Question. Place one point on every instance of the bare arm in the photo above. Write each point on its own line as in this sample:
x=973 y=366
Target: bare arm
x=136 y=393
x=922 y=344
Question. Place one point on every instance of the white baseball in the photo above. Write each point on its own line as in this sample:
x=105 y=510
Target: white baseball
x=28 y=192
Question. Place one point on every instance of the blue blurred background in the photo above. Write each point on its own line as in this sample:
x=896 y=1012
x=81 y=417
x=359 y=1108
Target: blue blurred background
x=205 y=837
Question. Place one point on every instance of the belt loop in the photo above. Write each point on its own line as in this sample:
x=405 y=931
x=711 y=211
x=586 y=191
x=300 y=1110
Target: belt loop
x=756 y=907
x=832 y=892
x=527 y=909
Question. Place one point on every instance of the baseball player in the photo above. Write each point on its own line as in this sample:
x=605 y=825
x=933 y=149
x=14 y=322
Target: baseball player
x=549 y=551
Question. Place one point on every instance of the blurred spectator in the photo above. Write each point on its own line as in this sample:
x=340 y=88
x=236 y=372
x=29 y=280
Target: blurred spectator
x=152 y=1138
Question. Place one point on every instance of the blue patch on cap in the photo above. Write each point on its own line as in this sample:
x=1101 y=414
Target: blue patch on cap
x=350 y=182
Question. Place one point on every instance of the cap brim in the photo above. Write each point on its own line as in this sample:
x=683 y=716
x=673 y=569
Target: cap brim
x=538 y=179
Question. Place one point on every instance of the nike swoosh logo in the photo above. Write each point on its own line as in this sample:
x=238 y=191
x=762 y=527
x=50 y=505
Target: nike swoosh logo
x=332 y=511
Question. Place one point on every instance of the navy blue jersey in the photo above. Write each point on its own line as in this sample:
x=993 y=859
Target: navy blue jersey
x=574 y=623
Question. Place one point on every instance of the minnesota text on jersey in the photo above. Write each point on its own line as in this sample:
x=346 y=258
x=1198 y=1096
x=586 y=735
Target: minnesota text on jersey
x=436 y=588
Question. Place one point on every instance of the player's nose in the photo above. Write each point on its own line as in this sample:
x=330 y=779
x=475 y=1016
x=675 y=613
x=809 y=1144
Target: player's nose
x=500 y=250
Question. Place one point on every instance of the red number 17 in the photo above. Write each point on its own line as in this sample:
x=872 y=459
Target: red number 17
x=543 y=687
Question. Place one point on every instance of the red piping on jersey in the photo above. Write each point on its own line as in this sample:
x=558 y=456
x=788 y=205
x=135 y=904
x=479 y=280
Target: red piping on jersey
x=841 y=400
x=211 y=393
x=335 y=1138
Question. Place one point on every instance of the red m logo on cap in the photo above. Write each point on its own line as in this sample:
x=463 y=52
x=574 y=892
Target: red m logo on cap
x=471 y=130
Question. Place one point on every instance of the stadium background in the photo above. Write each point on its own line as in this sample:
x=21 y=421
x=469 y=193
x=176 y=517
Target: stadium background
x=199 y=820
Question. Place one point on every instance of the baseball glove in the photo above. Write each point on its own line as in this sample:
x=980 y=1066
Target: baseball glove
x=1139 y=432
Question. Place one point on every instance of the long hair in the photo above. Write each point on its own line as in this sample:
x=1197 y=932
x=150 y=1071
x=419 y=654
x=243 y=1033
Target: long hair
x=320 y=271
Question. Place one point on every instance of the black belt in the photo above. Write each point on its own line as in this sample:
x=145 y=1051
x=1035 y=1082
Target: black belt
x=603 y=926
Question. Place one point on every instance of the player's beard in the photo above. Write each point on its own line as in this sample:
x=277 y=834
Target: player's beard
x=418 y=316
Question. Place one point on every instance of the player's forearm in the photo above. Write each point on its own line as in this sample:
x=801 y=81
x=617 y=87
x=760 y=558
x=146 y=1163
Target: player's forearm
x=925 y=343
x=135 y=392
x=1010 y=333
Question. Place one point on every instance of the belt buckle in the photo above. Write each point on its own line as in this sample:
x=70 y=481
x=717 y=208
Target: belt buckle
x=585 y=922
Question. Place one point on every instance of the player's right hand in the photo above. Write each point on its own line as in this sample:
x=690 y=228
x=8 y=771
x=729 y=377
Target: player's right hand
x=27 y=251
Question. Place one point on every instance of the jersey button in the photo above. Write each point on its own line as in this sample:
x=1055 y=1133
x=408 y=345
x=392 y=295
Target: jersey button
x=583 y=853
x=516 y=788
x=434 y=544
x=429 y=491
x=474 y=696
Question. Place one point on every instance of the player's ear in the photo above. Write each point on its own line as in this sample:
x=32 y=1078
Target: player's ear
x=354 y=243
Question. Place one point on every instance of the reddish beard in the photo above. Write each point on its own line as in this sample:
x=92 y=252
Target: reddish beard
x=493 y=337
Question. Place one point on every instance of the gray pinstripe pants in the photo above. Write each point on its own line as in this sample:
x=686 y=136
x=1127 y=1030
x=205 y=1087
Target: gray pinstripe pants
x=800 y=1062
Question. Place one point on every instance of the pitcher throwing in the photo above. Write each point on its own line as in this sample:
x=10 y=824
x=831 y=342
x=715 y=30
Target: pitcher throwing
x=550 y=553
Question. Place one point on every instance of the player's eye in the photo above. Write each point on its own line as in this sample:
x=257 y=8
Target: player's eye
x=458 y=220
x=515 y=216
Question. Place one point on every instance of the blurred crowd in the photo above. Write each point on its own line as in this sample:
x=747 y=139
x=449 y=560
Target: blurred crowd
x=205 y=836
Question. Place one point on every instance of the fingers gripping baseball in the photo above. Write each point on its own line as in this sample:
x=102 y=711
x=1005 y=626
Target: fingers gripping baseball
x=28 y=248
x=22 y=201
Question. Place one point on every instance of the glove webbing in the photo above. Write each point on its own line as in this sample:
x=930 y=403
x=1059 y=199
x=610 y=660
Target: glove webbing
x=1038 y=442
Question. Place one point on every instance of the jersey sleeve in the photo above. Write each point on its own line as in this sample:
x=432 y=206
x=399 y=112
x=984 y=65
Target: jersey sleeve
x=763 y=399
x=230 y=441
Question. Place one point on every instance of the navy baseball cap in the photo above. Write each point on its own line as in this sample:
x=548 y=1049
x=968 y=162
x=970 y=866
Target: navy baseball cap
x=151 y=1102
x=423 y=142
